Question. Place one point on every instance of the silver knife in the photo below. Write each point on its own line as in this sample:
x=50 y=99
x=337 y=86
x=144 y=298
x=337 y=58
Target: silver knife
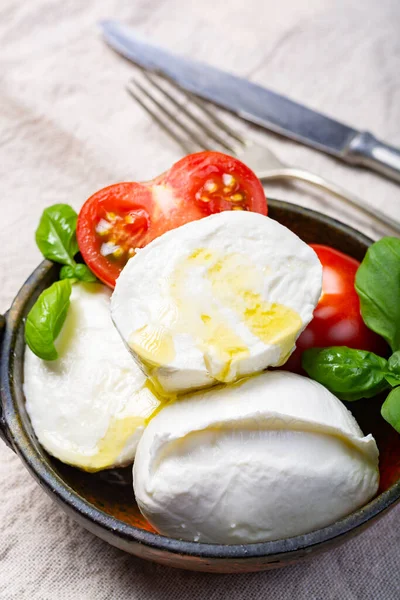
x=257 y=104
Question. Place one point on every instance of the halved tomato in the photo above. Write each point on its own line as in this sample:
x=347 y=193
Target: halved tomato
x=337 y=319
x=216 y=182
x=122 y=217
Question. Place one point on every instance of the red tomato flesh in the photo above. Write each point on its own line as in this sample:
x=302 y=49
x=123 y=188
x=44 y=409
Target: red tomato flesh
x=337 y=319
x=217 y=182
x=122 y=217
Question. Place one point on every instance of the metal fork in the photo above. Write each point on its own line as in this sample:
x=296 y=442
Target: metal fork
x=196 y=127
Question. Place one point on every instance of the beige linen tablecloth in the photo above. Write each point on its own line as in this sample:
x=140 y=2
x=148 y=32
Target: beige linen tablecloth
x=68 y=128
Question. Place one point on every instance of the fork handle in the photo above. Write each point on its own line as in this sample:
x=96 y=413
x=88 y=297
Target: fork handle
x=332 y=188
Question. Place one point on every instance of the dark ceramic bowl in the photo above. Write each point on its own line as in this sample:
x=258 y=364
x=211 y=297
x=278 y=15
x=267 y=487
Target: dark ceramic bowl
x=104 y=502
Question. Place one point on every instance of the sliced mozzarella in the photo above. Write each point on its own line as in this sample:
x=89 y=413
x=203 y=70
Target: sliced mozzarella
x=216 y=299
x=273 y=456
x=89 y=407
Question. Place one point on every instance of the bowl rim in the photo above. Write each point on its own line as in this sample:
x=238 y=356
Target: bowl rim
x=51 y=481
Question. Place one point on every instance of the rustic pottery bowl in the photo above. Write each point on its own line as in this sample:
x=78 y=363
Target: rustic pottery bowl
x=104 y=502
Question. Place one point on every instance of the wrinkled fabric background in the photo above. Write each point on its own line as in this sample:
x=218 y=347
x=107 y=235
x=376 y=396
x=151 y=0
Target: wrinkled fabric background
x=68 y=128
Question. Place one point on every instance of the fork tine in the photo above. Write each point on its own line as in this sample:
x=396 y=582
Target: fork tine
x=228 y=130
x=183 y=144
x=202 y=142
x=200 y=123
x=199 y=141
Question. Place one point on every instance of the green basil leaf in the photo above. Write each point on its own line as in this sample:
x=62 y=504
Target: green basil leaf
x=394 y=363
x=393 y=376
x=347 y=373
x=393 y=380
x=378 y=286
x=56 y=234
x=390 y=409
x=46 y=318
x=80 y=272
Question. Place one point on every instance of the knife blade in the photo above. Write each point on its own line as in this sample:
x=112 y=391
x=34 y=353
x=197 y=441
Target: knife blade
x=256 y=104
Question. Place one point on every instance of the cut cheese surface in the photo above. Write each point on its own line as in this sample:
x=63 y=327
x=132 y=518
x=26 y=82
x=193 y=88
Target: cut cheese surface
x=216 y=299
x=89 y=407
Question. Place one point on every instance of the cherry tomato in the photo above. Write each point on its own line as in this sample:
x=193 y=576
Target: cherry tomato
x=337 y=319
x=122 y=217
x=217 y=182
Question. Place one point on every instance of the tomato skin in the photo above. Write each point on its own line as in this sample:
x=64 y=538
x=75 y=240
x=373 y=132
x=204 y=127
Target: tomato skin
x=121 y=217
x=121 y=198
x=337 y=319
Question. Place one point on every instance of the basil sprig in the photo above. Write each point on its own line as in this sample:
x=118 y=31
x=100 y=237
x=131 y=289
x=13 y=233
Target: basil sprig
x=56 y=239
x=390 y=410
x=393 y=377
x=79 y=271
x=347 y=373
x=378 y=287
x=56 y=234
x=46 y=319
x=355 y=374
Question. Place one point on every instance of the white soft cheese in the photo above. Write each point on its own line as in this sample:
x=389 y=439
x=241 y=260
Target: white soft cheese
x=89 y=407
x=273 y=456
x=216 y=299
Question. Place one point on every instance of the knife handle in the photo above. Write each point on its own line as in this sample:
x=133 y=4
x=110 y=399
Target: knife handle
x=364 y=149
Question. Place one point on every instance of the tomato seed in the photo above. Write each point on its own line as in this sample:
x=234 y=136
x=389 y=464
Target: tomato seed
x=111 y=216
x=103 y=227
x=237 y=197
x=228 y=180
x=210 y=186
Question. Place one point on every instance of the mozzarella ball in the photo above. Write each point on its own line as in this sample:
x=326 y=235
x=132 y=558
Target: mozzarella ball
x=89 y=407
x=273 y=456
x=216 y=299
